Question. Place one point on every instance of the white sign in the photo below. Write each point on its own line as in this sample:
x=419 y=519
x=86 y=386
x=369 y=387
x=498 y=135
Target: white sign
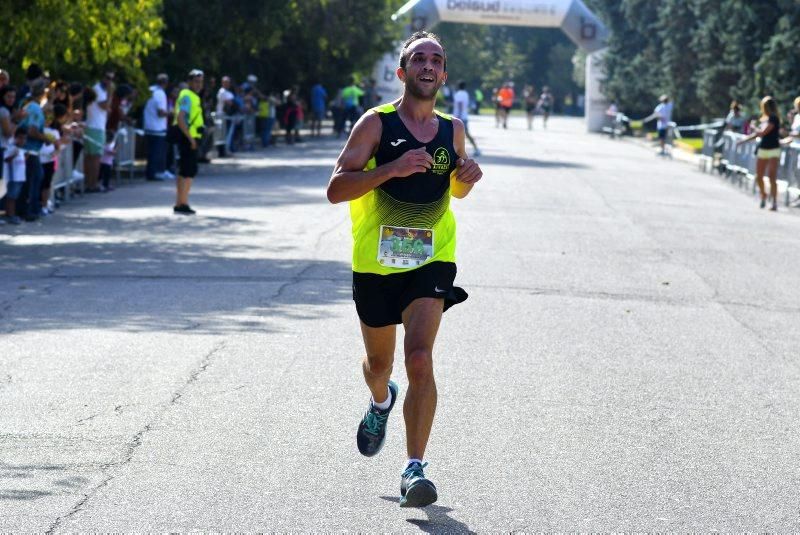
x=541 y=13
x=387 y=84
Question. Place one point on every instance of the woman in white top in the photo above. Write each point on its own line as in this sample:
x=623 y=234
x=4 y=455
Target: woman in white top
x=794 y=131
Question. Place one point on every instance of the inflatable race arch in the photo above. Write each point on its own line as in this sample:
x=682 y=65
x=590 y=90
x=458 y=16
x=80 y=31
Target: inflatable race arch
x=572 y=16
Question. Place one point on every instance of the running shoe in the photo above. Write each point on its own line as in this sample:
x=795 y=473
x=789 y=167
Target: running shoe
x=372 y=429
x=183 y=209
x=774 y=207
x=763 y=202
x=415 y=489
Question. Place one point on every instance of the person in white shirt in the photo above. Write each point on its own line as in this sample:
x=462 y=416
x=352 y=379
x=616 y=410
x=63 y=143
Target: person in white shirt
x=794 y=130
x=224 y=95
x=224 y=100
x=662 y=112
x=461 y=111
x=155 y=131
x=14 y=173
x=95 y=135
x=49 y=153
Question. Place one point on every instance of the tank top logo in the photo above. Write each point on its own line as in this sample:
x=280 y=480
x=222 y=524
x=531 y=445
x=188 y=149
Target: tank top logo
x=441 y=161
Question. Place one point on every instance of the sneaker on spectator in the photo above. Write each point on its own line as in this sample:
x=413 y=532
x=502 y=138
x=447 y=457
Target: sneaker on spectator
x=77 y=175
x=168 y=176
x=13 y=220
x=183 y=209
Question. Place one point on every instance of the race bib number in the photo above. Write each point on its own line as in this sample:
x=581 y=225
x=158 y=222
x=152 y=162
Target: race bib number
x=404 y=247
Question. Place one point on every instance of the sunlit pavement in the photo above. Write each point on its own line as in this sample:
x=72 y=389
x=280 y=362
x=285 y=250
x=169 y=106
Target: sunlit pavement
x=627 y=359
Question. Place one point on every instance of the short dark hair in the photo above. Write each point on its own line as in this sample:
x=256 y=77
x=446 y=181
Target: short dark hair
x=33 y=72
x=462 y=85
x=416 y=36
x=20 y=131
x=59 y=110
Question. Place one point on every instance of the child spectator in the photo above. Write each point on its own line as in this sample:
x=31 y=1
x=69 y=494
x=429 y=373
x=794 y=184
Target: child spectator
x=107 y=160
x=49 y=153
x=14 y=173
x=291 y=115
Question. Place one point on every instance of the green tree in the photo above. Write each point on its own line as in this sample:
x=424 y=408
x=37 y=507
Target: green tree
x=283 y=43
x=778 y=69
x=80 y=37
x=676 y=27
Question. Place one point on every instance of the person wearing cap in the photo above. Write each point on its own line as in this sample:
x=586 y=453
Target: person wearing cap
x=662 y=112
x=155 y=130
x=29 y=204
x=189 y=120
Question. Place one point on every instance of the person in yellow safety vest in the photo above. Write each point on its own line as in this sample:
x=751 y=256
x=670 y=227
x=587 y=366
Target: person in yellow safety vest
x=350 y=98
x=189 y=120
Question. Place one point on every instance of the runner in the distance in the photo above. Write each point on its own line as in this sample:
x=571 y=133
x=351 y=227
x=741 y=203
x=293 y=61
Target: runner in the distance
x=545 y=104
x=461 y=111
x=399 y=168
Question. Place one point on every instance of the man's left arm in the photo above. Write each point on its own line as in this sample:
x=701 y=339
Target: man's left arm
x=467 y=172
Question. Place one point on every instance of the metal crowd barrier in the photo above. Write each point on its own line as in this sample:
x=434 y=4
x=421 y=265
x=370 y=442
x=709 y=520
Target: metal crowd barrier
x=68 y=176
x=707 y=153
x=738 y=163
x=225 y=128
x=219 y=133
x=125 y=156
x=249 y=130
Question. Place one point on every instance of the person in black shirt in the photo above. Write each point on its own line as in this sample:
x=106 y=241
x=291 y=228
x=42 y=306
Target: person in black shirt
x=768 y=151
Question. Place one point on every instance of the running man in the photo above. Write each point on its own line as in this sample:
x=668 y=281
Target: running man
x=545 y=104
x=529 y=96
x=505 y=97
x=400 y=167
x=461 y=111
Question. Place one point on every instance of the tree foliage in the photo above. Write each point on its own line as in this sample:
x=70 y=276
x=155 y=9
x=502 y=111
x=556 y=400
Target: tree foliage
x=285 y=43
x=79 y=38
x=704 y=53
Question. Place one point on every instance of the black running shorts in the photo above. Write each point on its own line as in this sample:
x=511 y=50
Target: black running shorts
x=187 y=165
x=381 y=299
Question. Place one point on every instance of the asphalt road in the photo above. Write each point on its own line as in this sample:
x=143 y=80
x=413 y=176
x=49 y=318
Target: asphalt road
x=627 y=359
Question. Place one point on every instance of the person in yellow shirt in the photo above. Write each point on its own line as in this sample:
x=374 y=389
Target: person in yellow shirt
x=189 y=121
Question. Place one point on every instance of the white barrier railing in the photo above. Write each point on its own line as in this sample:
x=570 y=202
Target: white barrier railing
x=738 y=162
x=225 y=127
x=125 y=155
x=68 y=177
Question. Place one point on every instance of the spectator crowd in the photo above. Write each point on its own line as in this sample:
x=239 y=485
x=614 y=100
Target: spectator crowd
x=41 y=116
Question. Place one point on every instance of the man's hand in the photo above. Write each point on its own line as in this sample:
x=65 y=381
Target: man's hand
x=194 y=143
x=468 y=171
x=413 y=161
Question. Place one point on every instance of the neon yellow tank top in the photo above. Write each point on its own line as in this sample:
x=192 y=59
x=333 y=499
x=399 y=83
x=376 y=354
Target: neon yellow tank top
x=420 y=202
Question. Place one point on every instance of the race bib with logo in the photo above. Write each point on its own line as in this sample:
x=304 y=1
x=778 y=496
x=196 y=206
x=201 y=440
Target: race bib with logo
x=404 y=247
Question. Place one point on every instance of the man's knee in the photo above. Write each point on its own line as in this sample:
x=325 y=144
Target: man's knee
x=380 y=364
x=419 y=365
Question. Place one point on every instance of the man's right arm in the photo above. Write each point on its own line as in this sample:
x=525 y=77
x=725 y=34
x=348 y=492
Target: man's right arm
x=349 y=180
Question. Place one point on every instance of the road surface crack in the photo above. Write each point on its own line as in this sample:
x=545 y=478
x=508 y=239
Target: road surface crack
x=138 y=438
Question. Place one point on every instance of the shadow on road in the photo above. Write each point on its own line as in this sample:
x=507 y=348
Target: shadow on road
x=438 y=519
x=516 y=161
x=27 y=482
x=124 y=261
